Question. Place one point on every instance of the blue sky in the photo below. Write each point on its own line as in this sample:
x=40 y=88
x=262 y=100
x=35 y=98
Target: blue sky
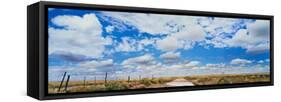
x=90 y=43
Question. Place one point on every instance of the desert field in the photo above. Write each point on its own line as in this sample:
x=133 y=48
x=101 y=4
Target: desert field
x=160 y=82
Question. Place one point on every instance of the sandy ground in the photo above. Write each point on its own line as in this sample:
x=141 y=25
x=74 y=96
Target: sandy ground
x=180 y=82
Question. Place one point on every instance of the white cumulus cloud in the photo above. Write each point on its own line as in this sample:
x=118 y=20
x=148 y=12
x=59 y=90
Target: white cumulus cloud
x=97 y=64
x=182 y=31
x=109 y=29
x=192 y=63
x=80 y=35
x=185 y=38
x=170 y=55
x=145 y=59
x=128 y=45
x=239 y=61
x=219 y=65
x=251 y=42
x=169 y=44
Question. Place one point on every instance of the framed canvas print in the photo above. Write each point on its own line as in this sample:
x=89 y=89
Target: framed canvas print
x=82 y=50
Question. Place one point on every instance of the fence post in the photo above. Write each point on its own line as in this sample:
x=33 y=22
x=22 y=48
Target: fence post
x=62 y=81
x=84 y=81
x=66 y=84
x=128 y=79
x=95 y=81
x=105 y=78
x=139 y=77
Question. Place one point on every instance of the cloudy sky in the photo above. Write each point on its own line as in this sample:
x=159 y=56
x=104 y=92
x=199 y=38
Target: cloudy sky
x=88 y=43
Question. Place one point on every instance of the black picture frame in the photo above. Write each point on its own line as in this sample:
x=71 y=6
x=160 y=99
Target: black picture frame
x=37 y=49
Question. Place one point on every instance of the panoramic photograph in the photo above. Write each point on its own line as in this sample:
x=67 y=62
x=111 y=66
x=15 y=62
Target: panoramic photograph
x=98 y=51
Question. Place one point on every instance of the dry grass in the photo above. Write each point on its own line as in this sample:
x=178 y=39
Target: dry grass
x=100 y=85
x=228 y=79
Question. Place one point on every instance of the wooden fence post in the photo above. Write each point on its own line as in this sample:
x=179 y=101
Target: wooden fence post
x=66 y=84
x=105 y=78
x=62 y=81
x=84 y=81
x=95 y=80
x=128 y=79
x=139 y=77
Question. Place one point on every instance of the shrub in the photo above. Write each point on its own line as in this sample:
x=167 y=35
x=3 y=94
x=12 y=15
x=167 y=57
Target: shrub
x=146 y=82
x=224 y=81
x=115 y=86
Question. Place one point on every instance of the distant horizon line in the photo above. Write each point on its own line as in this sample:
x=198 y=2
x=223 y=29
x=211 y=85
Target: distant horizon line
x=155 y=76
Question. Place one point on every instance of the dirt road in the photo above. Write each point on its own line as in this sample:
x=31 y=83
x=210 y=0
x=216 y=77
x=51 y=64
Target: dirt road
x=179 y=82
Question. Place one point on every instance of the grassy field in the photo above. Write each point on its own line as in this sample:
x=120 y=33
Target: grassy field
x=228 y=79
x=100 y=85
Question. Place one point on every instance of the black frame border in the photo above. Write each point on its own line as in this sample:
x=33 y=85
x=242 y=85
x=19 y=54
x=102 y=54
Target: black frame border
x=43 y=48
